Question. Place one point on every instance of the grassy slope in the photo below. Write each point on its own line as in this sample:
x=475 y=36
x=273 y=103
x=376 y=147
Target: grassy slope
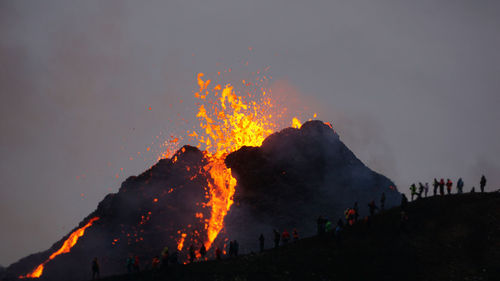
x=454 y=237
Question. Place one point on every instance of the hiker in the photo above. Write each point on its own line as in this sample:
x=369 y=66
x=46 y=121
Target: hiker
x=136 y=264
x=174 y=258
x=277 y=238
x=328 y=226
x=261 y=242
x=460 y=186
x=95 y=269
x=203 y=251
x=413 y=190
x=130 y=264
x=421 y=188
x=426 y=189
x=404 y=202
x=473 y=190
x=449 y=185
x=356 y=211
x=435 y=185
x=441 y=187
x=482 y=183
x=218 y=253
x=164 y=257
x=285 y=237
x=191 y=253
x=382 y=201
x=236 y=248
x=321 y=225
x=372 y=207
x=349 y=216
x=155 y=263
x=295 y=235
x=231 y=248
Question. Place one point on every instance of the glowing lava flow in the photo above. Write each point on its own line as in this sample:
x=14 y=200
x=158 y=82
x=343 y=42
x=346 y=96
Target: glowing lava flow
x=230 y=122
x=65 y=248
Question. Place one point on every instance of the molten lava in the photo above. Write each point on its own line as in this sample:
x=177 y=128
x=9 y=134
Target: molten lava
x=65 y=248
x=228 y=122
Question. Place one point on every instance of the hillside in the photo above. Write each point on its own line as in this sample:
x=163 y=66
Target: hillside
x=295 y=176
x=455 y=237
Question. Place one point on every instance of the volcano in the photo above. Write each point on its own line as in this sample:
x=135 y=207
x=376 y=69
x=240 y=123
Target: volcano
x=295 y=176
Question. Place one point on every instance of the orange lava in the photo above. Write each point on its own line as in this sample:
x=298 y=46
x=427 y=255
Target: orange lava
x=65 y=248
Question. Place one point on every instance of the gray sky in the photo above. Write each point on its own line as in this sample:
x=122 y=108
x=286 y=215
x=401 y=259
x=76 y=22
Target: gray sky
x=412 y=87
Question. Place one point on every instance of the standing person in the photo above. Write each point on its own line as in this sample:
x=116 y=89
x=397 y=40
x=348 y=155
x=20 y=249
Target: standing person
x=449 y=185
x=277 y=238
x=441 y=187
x=382 y=201
x=203 y=251
x=231 y=248
x=295 y=235
x=130 y=264
x=328 y=226
x=285 y=237
x=413 y=190
x=482 y=183
x=356 y=211
x=473 y=190
x=435 y=184
x=372 y=208
x=261 y=242
x=460 y=186
x=155 y=263
x=164 y=257
x=218 y=253
x=426 y=189
x=95 y=269
x=191 y=253
x=321 y=225
x=421 y=188
x=136 y=264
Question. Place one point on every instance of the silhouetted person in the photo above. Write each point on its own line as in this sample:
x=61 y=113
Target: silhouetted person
x=372 y=207
x=136 y=264
x=192 y=254
x=460 y=186
x=261 y=242
x=482 y=183
x=285 y=237
x=236 y=248
x=421 y=189
x=473 y=190
x=295 y=235
x=426 y=189
x=231 y=248
x=174 y=257
x=441 y=187
x=95 y=269
x=203 y=251
x=449 y=185
x=435 y=184
x=356 y=211
x=321 y=225
x=382 y=201
x=155 y=263
x=404 y=202
x=328 y=226
x=218 y=253
x=277 y=238
x=413 y=190
x=130 y=264
x=338 y=232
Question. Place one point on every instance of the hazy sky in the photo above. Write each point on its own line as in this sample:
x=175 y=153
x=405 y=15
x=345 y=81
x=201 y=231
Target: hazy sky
x=412 y=87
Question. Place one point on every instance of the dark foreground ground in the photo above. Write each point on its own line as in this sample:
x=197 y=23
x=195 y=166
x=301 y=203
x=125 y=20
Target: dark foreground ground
x=455 y=237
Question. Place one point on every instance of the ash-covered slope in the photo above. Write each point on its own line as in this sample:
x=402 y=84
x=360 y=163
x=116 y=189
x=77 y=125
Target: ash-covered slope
x=295 y=176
